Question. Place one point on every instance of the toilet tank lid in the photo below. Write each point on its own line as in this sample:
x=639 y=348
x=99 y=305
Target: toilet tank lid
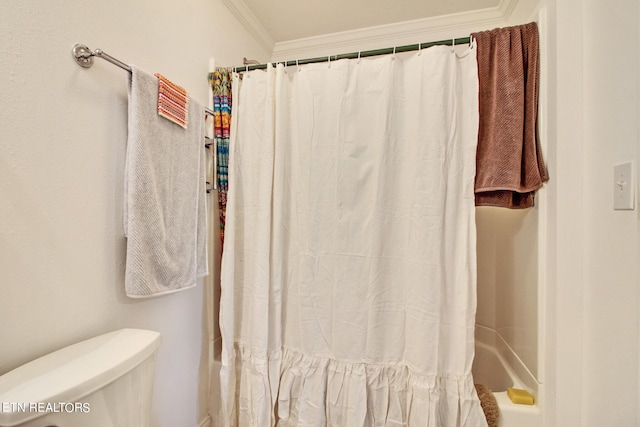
x=69 y=374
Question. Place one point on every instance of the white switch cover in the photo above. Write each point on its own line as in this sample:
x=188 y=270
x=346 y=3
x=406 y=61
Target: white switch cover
x=623 y=187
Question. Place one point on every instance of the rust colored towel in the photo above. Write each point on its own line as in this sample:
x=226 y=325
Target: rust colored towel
x=509 y=164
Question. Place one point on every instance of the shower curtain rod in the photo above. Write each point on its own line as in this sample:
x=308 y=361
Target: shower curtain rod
x=362 y=54
x=84 y=58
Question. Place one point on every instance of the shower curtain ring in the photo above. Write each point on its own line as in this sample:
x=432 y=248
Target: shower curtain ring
x=394 y=53
x=453 y=44
x=419 y=49
x=358 y=57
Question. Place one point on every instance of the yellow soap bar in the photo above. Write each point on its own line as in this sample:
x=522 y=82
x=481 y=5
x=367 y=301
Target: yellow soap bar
x=519 y=396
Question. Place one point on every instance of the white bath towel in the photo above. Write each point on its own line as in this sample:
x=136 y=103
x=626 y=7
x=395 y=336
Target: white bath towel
x=165 y=198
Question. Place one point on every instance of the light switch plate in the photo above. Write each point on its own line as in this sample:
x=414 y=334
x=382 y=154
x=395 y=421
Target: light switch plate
x=623 y=187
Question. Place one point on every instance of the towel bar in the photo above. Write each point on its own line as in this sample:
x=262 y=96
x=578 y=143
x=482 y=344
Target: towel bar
x=84 y=58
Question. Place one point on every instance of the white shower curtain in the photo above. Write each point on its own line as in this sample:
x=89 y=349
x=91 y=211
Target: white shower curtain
x=348 y=272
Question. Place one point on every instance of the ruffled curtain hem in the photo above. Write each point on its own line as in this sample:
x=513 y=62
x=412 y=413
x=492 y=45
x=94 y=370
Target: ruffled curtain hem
x=288 y=388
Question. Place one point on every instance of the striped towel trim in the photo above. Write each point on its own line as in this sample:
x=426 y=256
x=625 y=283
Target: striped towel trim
x=173 y=101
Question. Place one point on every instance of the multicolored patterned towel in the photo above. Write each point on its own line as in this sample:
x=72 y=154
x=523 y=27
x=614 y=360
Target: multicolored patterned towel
x=220 y=81
x=173 y=101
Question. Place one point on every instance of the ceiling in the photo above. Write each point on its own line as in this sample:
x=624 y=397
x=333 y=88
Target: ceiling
x=285 y=20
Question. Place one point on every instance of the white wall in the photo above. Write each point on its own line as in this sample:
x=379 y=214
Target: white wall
x=507 y=250
x=62 y=147
x=612 y=285
x=592 y=350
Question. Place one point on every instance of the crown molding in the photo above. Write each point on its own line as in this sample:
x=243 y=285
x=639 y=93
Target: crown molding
x=506 y=8
x=396 y=34
x=251 y=23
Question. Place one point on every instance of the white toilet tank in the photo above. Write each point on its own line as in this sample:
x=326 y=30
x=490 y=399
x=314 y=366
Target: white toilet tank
x=105 y=381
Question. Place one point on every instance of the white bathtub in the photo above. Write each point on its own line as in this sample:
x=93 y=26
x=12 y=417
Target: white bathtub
x=491 y=369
